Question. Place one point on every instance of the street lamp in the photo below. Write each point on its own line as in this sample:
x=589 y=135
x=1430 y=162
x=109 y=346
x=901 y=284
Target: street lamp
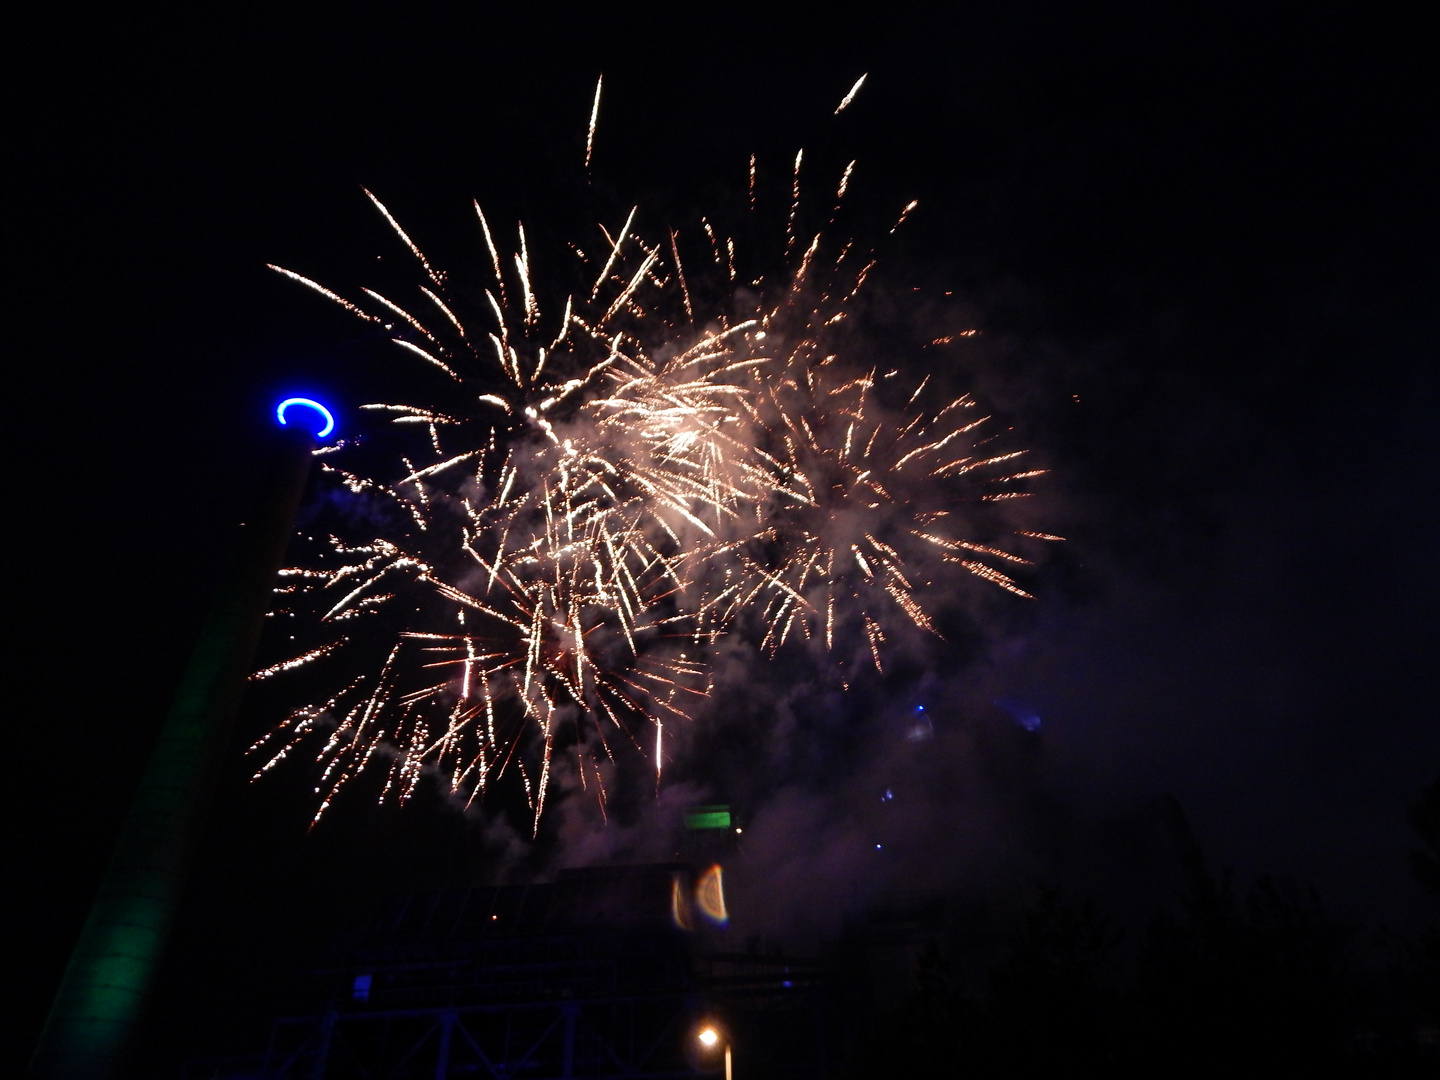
x=710 y=1036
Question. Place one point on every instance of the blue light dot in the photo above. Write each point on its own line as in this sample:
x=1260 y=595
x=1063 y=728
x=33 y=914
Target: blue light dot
x=306 y=403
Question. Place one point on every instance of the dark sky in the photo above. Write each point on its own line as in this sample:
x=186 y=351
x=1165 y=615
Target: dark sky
x=1201 y=249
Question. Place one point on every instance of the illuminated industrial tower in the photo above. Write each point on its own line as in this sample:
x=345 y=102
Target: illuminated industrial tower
x=100 y=998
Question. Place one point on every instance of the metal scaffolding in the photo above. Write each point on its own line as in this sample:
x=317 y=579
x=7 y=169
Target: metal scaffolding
x=589 y=976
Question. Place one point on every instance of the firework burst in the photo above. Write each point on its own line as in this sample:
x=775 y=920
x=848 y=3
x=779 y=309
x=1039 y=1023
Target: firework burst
x=540 y=569
x=867 y=501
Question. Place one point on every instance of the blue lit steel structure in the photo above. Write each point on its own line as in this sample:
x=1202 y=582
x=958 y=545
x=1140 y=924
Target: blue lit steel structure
x=588 y=976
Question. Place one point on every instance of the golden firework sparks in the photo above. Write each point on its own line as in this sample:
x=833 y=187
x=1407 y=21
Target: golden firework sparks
x=598 y=495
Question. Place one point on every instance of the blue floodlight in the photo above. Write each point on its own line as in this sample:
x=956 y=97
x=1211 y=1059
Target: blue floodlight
x=308 y=403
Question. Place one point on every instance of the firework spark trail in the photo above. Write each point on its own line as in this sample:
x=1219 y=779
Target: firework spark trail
x=597 y=498
x=850 y=96
x=594 y=119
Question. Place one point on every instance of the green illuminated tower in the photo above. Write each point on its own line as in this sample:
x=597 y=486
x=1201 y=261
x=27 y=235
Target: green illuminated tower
x=99 y=1001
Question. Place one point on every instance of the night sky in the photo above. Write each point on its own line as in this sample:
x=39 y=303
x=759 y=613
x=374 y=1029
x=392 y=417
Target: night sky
x=1201 y=251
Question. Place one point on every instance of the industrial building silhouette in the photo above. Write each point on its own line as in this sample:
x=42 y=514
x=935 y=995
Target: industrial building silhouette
x=591 y=975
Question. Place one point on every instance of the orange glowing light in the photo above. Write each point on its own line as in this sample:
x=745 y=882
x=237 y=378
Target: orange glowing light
x=710 y=895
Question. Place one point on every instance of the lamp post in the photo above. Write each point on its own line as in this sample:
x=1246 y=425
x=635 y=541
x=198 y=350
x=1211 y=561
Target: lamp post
x=710 y=1036
x=100 y=998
